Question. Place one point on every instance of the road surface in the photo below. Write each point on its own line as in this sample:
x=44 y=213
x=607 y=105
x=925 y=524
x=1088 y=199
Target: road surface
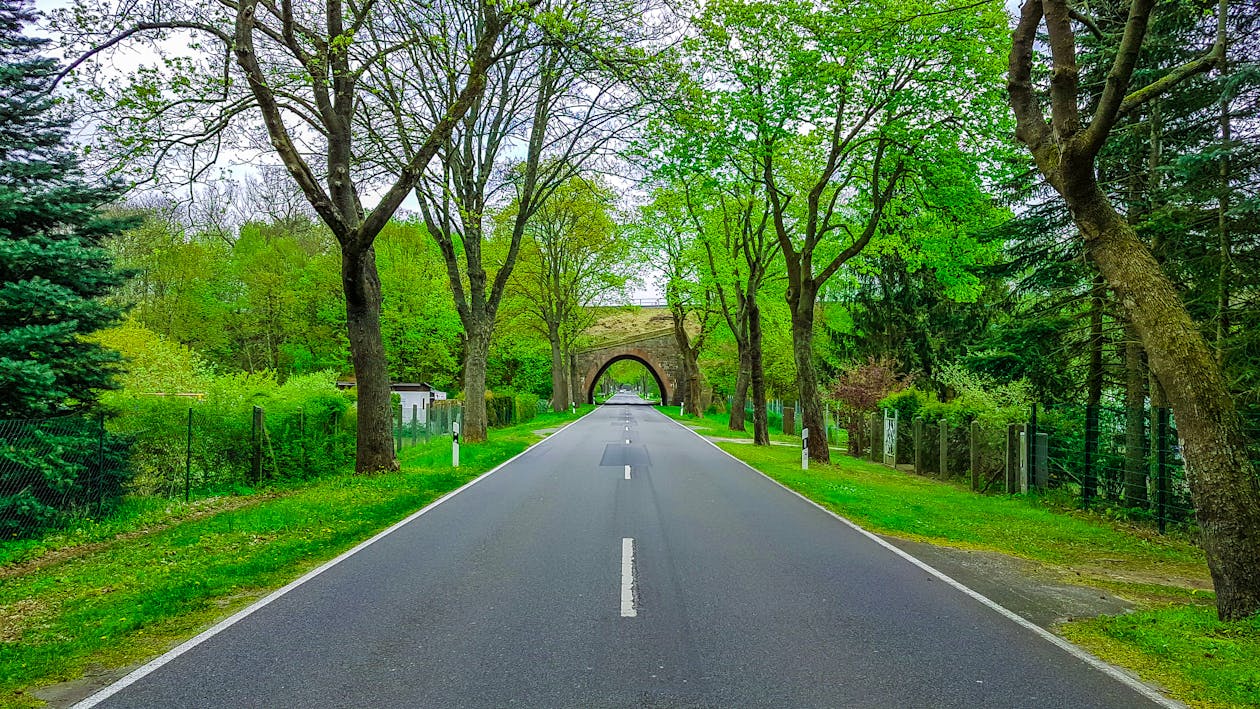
x=625 y=562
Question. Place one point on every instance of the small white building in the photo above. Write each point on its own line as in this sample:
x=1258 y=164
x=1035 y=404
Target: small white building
x=417 y=399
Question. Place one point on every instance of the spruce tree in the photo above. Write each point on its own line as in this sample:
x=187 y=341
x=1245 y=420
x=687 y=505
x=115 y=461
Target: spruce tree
x=53 y=275
x=53 y=268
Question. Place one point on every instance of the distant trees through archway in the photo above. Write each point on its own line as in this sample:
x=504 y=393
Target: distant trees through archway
x=629 y=374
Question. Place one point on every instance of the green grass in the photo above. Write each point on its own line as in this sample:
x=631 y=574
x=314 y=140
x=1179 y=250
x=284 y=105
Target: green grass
x=133 y=598
x=1174 y=640
x=1202 y=661
x=717 y=426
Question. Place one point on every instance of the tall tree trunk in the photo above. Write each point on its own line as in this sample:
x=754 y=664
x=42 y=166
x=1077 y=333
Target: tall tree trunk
x=695 y=386
x=559 y=382
x=740 y=400
x=690 y=384
x=374 y=450
x=1135 y=492
x=1221 y=476
x=476 y=354
x=757 y=375
x=806 y=375
x=1222 y=225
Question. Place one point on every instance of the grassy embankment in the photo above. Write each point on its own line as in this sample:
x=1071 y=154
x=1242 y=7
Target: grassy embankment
x=128 y=591
x=1173 y=639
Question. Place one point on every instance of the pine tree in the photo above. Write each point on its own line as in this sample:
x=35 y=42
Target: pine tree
x=53 y=269
x=53 y=274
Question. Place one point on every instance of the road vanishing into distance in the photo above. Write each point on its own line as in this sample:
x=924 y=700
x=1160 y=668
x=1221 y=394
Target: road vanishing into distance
x=623 y=562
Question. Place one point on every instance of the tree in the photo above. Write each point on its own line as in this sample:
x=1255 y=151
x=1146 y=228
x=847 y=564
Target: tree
x=731 y=223
x=53 y=276
x=571 y=259
x=561 y=98
x=849 y=114
x=1065 y=148
x=53 y=270
x=667 y=239
x=305 y=74
x=418 y=319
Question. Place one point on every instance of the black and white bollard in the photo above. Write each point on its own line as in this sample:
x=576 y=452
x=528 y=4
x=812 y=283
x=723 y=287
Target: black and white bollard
x=455 y=444
x=804 y=449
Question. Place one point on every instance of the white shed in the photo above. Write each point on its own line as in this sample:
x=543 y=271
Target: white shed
x=417 y=399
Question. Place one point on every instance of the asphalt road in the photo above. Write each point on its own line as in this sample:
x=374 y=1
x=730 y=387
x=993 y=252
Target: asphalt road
x=522 y=591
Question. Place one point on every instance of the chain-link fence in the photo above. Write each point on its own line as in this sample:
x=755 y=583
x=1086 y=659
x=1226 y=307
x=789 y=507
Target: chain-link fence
x=57 y=469
x=417 y=427
x=1124 y=460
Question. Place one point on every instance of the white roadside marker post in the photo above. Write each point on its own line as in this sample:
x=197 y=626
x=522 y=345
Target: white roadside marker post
x=804 y=449
x=455 y=444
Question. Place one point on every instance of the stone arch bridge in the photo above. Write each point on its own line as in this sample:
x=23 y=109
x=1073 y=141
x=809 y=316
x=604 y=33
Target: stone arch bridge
x=656 y=350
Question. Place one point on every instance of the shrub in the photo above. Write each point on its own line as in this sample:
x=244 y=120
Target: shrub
x=308 y=430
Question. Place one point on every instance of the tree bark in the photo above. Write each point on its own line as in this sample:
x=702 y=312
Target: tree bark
x=742 y=381
x=806 y=375
x=1221 y=476
x=757 y=375
x=559 y=382
x=691 y=383
x=476 y=354
x=374 y=450
x=1135 y=489
x=576 y=395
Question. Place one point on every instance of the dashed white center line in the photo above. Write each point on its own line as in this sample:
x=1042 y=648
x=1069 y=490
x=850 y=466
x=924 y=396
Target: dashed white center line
x=627 y=578
x=627 y=472
x=627 y=441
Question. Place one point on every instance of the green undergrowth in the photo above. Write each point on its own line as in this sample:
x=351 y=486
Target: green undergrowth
x=1173 y=640
x=131 y=599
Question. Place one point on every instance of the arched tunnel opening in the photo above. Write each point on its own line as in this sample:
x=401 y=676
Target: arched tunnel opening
x=627 y=380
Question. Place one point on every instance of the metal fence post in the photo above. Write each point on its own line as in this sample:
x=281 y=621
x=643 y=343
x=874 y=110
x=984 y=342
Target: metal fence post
x=302 y=436
x=1012 y=458
x=918 y=445
x=944 y=448
x=188 y=458
x=257 y=458
x=1161 y=467
x=100 y=464
x=877 y=435
x=974 y=444
x=1089 y=486
x=1030 y=440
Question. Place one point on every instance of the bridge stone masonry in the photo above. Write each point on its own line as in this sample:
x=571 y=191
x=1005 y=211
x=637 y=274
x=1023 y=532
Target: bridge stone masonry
x=657 y=351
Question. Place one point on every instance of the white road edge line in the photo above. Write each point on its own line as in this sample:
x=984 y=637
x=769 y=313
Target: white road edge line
x=156 y=663
x=1116 y=673
x=627 y=472
x=627 y=578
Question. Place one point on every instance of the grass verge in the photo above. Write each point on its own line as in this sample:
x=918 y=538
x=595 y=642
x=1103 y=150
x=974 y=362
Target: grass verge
x=1174 y=639
x=717 y=426
x=132 y=599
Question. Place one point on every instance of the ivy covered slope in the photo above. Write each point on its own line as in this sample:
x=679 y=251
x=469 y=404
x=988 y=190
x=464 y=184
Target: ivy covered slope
x=53 y=271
